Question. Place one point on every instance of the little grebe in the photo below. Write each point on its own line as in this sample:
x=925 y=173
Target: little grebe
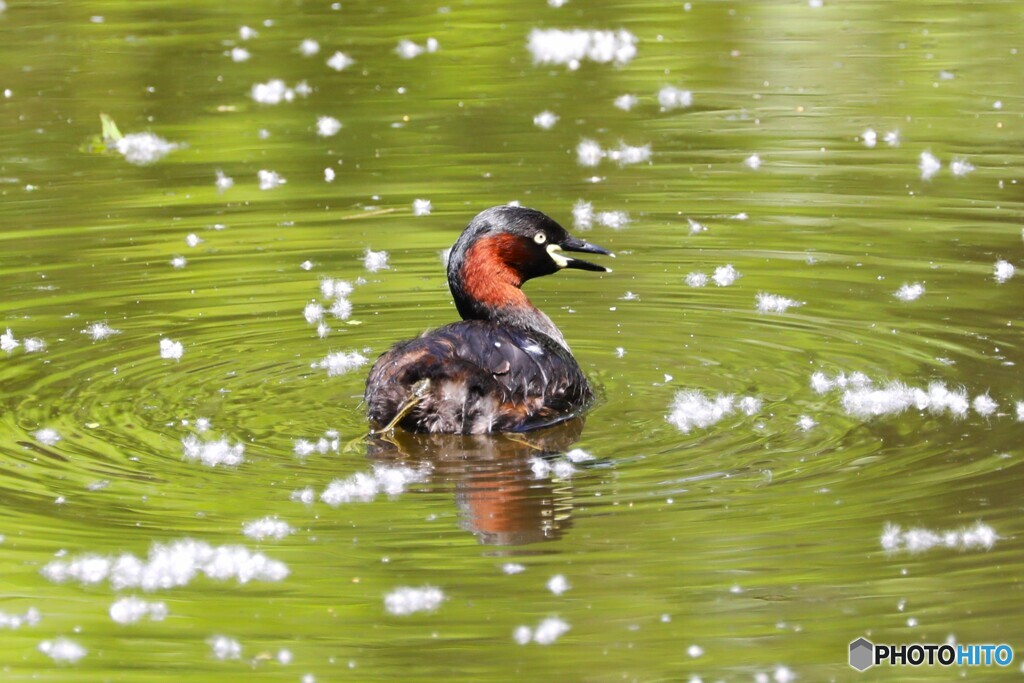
x=505 y=367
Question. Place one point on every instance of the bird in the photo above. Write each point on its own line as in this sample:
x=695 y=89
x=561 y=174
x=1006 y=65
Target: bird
x=506 y=366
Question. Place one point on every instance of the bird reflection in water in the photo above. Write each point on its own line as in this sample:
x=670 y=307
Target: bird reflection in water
x=500 y=498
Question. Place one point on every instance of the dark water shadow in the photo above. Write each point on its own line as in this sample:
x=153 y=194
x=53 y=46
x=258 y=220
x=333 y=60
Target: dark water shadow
x=501 y=500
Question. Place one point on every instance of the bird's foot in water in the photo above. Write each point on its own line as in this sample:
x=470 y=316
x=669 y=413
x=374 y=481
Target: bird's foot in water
x=519 y=438
x=419 y=391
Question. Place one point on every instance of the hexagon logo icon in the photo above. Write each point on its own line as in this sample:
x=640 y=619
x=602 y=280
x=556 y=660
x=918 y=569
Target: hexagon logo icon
x=862 y=654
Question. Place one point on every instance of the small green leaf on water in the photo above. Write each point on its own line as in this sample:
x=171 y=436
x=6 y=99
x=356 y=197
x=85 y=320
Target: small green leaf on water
x=110 y=131
x=353 y=322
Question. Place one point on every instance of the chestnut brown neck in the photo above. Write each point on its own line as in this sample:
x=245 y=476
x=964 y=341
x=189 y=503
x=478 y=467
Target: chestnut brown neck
x=488 y=278
x=486 y=287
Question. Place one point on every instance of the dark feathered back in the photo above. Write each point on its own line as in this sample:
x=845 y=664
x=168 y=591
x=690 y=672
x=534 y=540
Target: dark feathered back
x=482 y=376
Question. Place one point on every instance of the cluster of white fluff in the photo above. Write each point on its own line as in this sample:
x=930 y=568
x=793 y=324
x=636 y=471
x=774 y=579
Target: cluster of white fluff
x=548 y=631
x=143 y=149
x=100 y=331
x=8 y=343
x=336 y=292
x=671 y=97
x=171 y=350
x=558 y=584
x=269 y=180
x=692 y=408
x=930 y=166
x=328 y=442
x=407 y=49
x=224 y=648
x=870 y=138
x=569 y=48
x=910 y=292
x=590 y=153
x=47 y=436
x=340 y=362
x=327 y=126
x=1004 y=270
x=168 y=566
x=340 y=61
x=980 y=536
x=130 y=609
x=213 y=453
x=364 y=487
x=545 y=120
x=723 y=277
x=774 y=303
x=861 y=397
x=561 y=467
x=421 y=207
x=31 y=617
x=404 y=601
x=276 y=91
x=626 y=102
x=375 y=260
x=62 y=650
x=267 y=527
x=584 y=217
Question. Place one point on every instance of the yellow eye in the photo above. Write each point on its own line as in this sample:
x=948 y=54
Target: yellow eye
x=540 y=238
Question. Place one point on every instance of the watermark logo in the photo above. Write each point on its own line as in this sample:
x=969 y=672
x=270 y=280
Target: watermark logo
x=864 y=654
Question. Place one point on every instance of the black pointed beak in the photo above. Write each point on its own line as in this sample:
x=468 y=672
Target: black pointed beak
x=576 y=244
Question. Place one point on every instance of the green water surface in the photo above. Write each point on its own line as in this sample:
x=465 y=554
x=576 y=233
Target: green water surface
x=753 y=539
